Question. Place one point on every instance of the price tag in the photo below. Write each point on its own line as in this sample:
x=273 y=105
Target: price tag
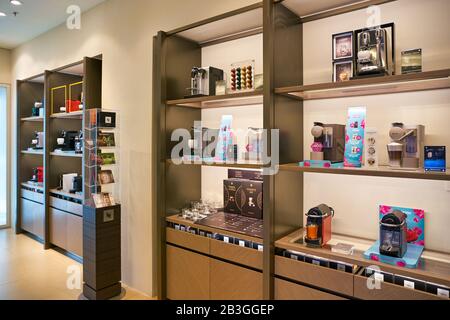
x=443 y=293
x=379 y=276
x=316 y=262
x=241 y=243
x=341 y=267
x=408 y=284
x=226 y=239
x=260 y=247
x=293 y=256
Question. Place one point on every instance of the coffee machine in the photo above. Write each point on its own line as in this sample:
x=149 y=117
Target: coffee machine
x=407 y=146
x=393 y=234
x=203 y=81
x=373 y=47
x=67 y=140
x=329 y=142
x=37 y=143
x=318 y=226
x=38 y=175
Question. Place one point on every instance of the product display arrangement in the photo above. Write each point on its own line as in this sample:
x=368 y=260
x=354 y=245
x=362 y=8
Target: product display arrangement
x=311 y=260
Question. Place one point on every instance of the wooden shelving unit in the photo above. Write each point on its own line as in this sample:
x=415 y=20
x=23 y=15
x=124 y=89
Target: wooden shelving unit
x=380 y=172
x=239 y=164
x=39 y=214
x=283 y=96
x=431 y=80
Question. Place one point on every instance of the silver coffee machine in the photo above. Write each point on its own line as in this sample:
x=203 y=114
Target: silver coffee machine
x=407 y=146
x=203 y=81
x=373 y=48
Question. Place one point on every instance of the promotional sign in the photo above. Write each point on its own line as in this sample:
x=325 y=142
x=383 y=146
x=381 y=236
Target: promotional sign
x=354 y=137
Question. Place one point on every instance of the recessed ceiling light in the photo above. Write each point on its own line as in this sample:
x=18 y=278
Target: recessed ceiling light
x=16 y=2
x=2 y=14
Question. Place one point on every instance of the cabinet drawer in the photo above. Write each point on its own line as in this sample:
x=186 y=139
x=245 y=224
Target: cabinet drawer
x=57 y=203
x=388 y=291
x=318 y=276
x=75 y=234
x=66 y=231
x=245 y=256
x=33 y=196
x=32 y=214
x=285 y=290
x=230 y=282
x=187 y=275
x=58 y=227
x=188 y=240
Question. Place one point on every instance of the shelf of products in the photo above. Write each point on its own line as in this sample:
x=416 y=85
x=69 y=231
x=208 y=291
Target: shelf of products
x=431 y=80
x=381 y=172
x=434 y=267
x=228 y=100
x=33 y=152
x=32 y=186
x=66 y=154
x=66 y=194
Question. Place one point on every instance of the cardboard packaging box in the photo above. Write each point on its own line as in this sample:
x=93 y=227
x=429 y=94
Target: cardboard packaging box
x=231 y=191
x=252 y=199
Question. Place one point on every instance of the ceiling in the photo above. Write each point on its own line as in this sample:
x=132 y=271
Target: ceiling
x=35 y=17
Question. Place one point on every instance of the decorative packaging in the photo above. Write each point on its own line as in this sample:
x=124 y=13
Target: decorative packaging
x=411 y=61
x=244 y=197
x=354 y=138
x=435 y=159
x=245 y=174
x=254 y=144
x=231 y=192
x=371 y=149
x=225 y=138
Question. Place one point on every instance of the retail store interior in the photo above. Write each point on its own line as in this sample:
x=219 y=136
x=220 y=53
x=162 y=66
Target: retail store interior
x=250 y=150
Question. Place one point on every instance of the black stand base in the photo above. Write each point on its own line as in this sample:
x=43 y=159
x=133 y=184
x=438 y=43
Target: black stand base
x=102 y=294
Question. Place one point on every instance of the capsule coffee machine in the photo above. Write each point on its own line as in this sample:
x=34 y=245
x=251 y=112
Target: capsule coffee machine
x=203 y=81
x=407 y=146
x=393 y=237
x=374 y=47
x=329 y=142
x=318 y=226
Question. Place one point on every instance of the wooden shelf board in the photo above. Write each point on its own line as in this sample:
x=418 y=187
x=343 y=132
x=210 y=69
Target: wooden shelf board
x=32 y=119
x=315 y=10
x=430 y=80
x=228 y=100
x=66 y=154
x=382 y=171
x=179 y=220
x=243 y=164
x=70 y=115
x=66 y=194
x=40 y=153
x=435 y=267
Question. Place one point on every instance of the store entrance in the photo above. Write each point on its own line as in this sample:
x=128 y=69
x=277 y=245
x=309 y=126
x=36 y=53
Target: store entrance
x=4 y=172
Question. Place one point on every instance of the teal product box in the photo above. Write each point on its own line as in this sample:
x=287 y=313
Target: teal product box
x=354 y=137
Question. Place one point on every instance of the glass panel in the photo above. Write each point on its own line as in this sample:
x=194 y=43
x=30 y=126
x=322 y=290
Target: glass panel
x=3 y=158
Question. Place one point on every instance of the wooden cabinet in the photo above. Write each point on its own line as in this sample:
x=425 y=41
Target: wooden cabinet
x=66 y=231
x=231 y=282
x=187 y=275
x=32 y=217
x=285 y=290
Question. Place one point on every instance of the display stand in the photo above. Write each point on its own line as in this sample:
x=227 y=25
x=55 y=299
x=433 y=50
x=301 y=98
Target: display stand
x=101 y=212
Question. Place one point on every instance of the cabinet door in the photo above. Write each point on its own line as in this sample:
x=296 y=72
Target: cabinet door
x=187 y=275
x=75 y=234
x=230 y=282
x=285 y=290
x=58 y=227
x=38 y=220
x=27 y=215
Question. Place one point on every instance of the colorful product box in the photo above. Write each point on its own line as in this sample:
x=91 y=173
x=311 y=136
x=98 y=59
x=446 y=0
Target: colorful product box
x=354 y=137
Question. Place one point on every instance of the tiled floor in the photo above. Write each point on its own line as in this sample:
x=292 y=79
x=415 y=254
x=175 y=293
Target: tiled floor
x=27 y=272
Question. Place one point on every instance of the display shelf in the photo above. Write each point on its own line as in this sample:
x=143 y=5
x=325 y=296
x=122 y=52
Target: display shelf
x=228 y=100
x=239 y=164
x=188 y=223
x=430 y=80
x=66 y=194
x=33 y=152
x=32 y=186
x=70 y=115
x=66 y=154
x=32 y=119
x=383 y=171
x=433 y=267
x=315 y=10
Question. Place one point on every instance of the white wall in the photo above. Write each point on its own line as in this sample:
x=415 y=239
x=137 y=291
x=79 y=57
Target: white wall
x=123 y=32
x=418 y=24
x=5 y=66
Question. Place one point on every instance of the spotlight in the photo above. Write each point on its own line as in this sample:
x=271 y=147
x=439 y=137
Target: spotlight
x=16 y=2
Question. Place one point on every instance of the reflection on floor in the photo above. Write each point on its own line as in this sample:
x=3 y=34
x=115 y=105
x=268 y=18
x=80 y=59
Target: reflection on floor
x=27 y=272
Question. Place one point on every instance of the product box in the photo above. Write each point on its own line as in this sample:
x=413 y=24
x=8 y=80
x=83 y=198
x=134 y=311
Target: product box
x=231 y=193
x=252 y=199
x=107 y=119
x=245 y=174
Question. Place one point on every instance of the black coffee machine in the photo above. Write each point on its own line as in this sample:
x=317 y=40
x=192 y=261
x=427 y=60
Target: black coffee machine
x=393 y=234
x=67 y=140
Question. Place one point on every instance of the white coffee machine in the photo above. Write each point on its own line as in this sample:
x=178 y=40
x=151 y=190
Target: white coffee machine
x=407 y=146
